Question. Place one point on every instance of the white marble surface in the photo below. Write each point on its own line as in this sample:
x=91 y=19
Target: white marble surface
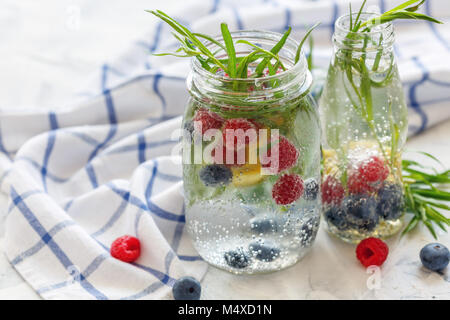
x=331 y=270
x=45 y=58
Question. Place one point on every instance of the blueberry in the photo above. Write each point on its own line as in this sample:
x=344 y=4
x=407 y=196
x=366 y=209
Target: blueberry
x=361 y=212
x=336 y=217
x=311 y=189
x=309 y=231
x=263 y=225
x=188 y=127
x=390 y=201
x=186 y=288
x=435 y=256
x=264 y=250
x=214 y=175
x=237 y=258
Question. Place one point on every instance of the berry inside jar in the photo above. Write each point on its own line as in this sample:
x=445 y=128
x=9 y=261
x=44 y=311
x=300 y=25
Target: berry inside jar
x=365 y=123
x=365 y=198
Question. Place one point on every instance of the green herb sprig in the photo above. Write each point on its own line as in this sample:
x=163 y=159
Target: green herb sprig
x=192 y=45
x=405 y=11
x=357 y=65
x=423 y=197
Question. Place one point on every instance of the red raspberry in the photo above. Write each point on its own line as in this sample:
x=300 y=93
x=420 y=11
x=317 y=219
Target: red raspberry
x=374 y=170
x=236 y=124
x=332 y=191
x=287 y=156
x=126 y=248
x=287 y=189
x=209 y=119
x=357 y=184
x=372 y=252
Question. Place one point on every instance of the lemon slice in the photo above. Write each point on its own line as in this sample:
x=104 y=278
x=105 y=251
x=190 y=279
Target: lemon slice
x=363 y=145
x=330 y=161
x=247 y=175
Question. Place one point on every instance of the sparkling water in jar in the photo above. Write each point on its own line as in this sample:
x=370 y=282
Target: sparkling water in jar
x=251 y=161
x=364 y=121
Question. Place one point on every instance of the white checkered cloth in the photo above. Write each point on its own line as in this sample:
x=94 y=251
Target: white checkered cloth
x=79 y=178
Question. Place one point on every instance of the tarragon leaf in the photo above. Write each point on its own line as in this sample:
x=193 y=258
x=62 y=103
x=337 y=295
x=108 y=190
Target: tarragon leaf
x=262 y=50
x=210 y=39
x=299 y=49
x=276 y=48
x=415 y=8
x=230 y=50
x=403 y=6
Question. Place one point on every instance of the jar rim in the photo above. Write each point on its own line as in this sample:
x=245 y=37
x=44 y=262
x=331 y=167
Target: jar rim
x=380 y=36
x=293 y=82
x=380 y=28
x=275 y=36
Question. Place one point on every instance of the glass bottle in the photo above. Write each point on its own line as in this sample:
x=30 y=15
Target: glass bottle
x=252 y=204
x=364 y=121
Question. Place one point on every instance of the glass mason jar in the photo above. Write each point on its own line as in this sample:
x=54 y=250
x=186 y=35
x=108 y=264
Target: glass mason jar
x=364 y=121
x=252 y=192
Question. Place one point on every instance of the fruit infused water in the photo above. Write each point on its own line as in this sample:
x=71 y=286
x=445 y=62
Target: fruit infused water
x=251 y=160
x=364 y=120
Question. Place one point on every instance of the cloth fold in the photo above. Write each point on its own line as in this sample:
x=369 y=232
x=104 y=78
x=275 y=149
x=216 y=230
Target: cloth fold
x=80 y=177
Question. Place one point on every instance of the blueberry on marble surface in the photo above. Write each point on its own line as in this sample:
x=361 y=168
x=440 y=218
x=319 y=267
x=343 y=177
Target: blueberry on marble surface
x=361 y=212
x=237 y=258
x=435 y=256
x=311 y=189
x=186 y=288
x=214 y=175
x=264 y=250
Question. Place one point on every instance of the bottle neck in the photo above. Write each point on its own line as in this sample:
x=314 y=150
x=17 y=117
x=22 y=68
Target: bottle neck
x=379 y=39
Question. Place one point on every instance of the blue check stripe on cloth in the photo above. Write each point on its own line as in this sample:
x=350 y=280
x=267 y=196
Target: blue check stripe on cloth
x=79 y=178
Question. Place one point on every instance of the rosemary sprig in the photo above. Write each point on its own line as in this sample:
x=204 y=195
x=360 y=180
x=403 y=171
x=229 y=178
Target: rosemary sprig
x=423 y=197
